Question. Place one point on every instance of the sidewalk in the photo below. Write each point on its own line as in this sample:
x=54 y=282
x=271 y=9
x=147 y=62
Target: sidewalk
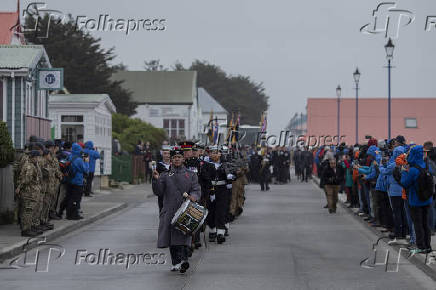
x=426 y=263
x=99 y=206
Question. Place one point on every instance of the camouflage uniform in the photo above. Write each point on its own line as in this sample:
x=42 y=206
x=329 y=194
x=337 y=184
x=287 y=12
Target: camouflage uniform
x=54 y=177
x=238 y=188
x=29 y=186
x=39 y=195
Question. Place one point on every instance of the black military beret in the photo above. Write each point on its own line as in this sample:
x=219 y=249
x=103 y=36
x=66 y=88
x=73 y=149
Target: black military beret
x=34 y=153
x=49 y=143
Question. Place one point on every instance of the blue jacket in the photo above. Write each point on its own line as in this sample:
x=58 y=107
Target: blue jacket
x=78 y=166
x=394 y=189
x=409 y=178
x=93 y=155
x=382 y=181
x=370 y=171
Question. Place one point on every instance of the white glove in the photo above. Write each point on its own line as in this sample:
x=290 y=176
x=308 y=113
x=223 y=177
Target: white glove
x=212 y=198
x=229 y=186
x=230 y=176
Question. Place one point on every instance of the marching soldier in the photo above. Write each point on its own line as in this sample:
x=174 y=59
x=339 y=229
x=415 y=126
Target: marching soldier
x=174 y=186
x=163 y=166
x=219 y=197
x=237 y=201
x=28 y=189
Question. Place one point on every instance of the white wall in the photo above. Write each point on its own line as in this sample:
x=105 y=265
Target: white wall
x=92 y=118
x=154 y=114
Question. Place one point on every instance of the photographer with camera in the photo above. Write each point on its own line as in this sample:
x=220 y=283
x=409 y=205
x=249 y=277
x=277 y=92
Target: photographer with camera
x=78 y=170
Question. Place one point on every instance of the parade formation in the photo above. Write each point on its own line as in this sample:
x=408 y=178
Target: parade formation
x=213 y=177
x=217 y=145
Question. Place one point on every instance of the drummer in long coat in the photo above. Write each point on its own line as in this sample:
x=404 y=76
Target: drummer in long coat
x=171 y=186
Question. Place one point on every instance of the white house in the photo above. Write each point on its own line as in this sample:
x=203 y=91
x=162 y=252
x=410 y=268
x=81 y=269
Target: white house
x=209 y=106
x=85 y=117
x=166 y=99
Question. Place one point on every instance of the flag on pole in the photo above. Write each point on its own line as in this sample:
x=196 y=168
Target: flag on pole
x=211 y=128
x=229 y=130
x=264 y=123
x=215 y=131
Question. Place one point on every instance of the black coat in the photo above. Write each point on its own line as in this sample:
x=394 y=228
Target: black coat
x=331 y=177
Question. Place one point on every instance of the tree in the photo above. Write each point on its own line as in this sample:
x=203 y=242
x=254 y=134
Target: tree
x=86 y=64
x=234 y=93
x=7 y=151
x=128 y=131
x=153 y=65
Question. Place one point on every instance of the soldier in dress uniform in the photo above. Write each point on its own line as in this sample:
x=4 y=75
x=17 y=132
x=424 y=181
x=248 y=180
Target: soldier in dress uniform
x=28 y=189
x=163 y=166
x=175 y=185
x=219 y=196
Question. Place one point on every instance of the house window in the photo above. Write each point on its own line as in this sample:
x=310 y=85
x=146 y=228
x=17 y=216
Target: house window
x=72 y=119
x=174 y=127
x=72 y=133
x=410 y=123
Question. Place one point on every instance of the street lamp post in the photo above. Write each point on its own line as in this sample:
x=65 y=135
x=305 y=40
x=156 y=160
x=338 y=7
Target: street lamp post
x=338 y=94
x=356 y=76
x=389 y=47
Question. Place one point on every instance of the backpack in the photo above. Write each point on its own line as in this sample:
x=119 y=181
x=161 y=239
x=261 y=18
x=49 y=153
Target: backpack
x=425 y=188
x=68 y=171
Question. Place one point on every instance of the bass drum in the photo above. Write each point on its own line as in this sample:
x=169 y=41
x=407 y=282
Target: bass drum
x=189 y=217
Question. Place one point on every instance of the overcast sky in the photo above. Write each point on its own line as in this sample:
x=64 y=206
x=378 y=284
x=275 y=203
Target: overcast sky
x=298 y=49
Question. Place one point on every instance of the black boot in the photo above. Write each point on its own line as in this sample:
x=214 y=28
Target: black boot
x=220 y=239
x=212 y=237
x=48 y=226
x=29 y=233
x=37 y=230
x=54 y=216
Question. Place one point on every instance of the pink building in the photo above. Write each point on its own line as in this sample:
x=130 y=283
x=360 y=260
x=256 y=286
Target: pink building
x=414 y=118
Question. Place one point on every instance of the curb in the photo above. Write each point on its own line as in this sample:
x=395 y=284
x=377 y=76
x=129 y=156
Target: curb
x=414 y=260
x=17 y=248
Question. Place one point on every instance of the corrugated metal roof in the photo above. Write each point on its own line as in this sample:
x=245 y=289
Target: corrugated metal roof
x=69 y=99
x=20 y=56
x=208 y=103
x=159 y=87
x=77 y=98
